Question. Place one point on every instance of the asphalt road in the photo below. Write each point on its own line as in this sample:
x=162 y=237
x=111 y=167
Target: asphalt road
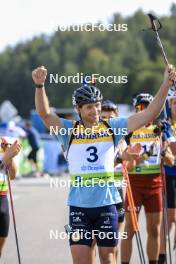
x=41 y=210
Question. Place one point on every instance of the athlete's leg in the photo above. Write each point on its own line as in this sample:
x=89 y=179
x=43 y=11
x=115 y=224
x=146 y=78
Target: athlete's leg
x=171 y=220
x=106 y=230
x=2 y=242
x=32 y=157
x=121 y=216
x=171 y=199
x=107 y=255
x=81 y=254
x=80 y=237
x=171 y=217
x=4 y=221
x=93 y=252
x=153 y=205
x=162 y=241
x=171 y=204
x=120 y=227
x=153 y=229
x=126 y=244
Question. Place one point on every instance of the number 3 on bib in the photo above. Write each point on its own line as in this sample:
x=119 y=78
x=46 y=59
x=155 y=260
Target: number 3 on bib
x=93 y=154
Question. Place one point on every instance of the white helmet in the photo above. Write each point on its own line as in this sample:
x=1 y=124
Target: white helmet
x=142 y=98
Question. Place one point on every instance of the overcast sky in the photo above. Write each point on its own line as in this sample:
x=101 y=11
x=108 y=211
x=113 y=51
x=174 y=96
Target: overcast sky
x=22 y=19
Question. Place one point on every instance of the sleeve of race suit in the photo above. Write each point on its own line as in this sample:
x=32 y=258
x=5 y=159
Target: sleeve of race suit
x=167 y=131
x=64 y=134
x=119 y=127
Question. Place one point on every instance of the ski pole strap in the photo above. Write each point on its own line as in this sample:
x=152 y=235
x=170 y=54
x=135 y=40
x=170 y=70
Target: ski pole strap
x=152 y=21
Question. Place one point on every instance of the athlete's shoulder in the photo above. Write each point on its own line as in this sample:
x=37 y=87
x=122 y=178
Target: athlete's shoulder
x=118 y=122
x=67 y=122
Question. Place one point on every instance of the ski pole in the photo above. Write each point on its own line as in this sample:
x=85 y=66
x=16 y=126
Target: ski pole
x=154 y=21
x=14 y=218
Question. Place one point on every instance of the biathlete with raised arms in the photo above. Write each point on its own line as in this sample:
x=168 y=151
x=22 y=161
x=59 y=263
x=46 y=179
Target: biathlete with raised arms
x=92 y=206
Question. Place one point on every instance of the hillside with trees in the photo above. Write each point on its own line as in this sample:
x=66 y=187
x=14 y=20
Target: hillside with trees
x=134 y=53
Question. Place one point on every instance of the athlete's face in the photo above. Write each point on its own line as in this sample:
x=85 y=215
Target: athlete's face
x=173 y=106
x=108 y=114
x=90 y=112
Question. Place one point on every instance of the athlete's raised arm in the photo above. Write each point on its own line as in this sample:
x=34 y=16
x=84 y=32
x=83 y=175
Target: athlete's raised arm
x=153 y=110
x=41 y=99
